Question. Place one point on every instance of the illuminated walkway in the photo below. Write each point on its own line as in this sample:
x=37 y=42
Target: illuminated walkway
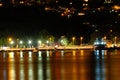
x=49 y=48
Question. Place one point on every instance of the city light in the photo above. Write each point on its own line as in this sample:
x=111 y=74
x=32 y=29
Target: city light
x=116 y=7
x=30 y=43
x=47 y=43
x=1 y=4
x=81 y=39
x=21 y=42
x=73 y=38
x=10 y=39
x=39 y=43
x=86 y=0
x=81 y=14
x=12 y=42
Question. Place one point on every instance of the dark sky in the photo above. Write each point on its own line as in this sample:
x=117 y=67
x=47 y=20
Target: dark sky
x=31 y=20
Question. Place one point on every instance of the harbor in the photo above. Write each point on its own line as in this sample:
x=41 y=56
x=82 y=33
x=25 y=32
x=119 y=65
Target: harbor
x=51 y=48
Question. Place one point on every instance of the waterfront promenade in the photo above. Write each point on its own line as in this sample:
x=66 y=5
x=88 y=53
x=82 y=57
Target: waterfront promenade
x=49 y=48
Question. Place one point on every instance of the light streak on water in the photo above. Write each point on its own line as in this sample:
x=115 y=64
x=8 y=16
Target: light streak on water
x=65 y=65
x=11 y=54
x=30 y=54
x=81 y=52
x=74 y=53
x=30 y=72
x=47 y=52
x=21 y=54
x=62 y=53
x=22 y=72
x=11 y=67
x=39 y=54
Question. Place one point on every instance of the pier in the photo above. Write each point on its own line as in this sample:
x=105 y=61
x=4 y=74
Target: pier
x=49 y=48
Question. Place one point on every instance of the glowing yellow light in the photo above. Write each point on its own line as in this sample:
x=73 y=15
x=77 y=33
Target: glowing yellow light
x=108 y=1
x=85 y=4
x=57 y=1
x=73 y=38
x=62 y=14
x=81 y=14
x=104 y=37
x=81 y=52
x=1 y=4
x=74 y=52
x=86 y=0
x=12 y=42
x=21 y=2
x=81 y=38
x=110 y=30
x=116 y=7
x=11 y=54
x=10 y=39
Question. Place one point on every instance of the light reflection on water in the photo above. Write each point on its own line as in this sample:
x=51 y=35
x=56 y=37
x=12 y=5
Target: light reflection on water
x=60 y=65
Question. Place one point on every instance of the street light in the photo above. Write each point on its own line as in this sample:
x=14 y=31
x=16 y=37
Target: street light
x=10 y=39
x=104 y=38
x=81 y=39
x=39 y=42
x=30 y=42
x=21 y=42
x=11 y=42
x=73 y=38
x=47 y=43
x=115 y=42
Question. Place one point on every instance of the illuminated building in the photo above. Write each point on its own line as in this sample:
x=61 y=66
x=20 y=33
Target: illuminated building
x=108 y=1
x=79 y=3
x=85 y=3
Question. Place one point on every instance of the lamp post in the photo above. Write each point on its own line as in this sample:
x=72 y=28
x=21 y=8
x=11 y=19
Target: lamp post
x=115 y=42
x=17 y=43
x=21 y=42
x=81 y=39
x=47 y=43
x=73 y=39
x=30 y=42
x=39 y=43
x=11 y=43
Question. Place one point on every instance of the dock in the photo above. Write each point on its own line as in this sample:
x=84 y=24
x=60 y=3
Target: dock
x=50 y=48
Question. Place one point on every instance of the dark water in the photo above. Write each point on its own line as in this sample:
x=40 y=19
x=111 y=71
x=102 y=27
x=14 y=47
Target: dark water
x=60 y=65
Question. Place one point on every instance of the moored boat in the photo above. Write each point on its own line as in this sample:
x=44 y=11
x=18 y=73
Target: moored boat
x=99 y=44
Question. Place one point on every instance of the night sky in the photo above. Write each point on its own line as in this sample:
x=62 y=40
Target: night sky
x=31 y=20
